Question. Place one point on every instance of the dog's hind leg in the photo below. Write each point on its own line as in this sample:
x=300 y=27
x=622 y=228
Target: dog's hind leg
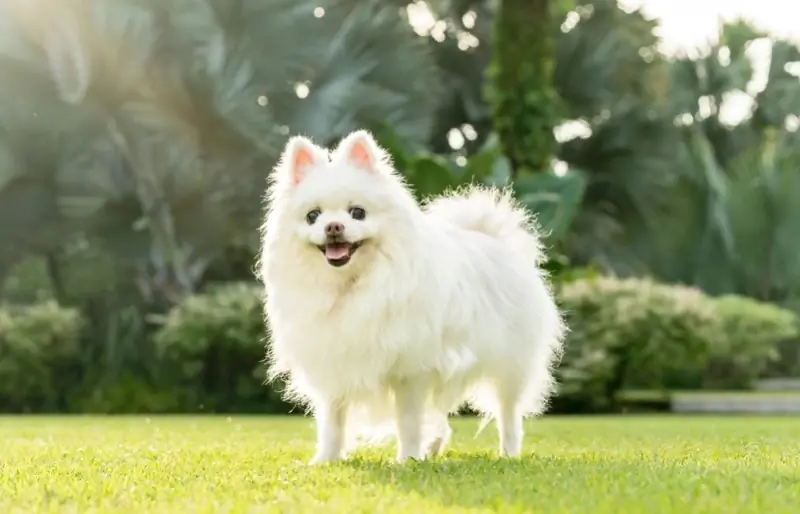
x=509 y=421
x=442 y=437
x=447 y=396
x=331 y=421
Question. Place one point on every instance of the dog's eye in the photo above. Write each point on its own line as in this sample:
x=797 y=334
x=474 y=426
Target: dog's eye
x=357 y=213
x=312 y=216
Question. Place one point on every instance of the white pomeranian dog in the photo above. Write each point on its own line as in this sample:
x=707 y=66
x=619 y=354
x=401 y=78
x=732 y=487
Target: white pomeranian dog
x=386 y=316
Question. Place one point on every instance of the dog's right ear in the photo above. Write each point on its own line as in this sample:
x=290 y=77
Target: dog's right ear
x=299 y=156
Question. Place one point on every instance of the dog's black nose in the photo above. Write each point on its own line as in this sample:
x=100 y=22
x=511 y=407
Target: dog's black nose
x=334 y=229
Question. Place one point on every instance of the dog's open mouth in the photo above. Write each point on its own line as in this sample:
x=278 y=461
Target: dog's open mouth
x=339 y=253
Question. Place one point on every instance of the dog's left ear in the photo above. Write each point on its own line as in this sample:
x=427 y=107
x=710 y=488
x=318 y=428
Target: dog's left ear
x=361 y=150
x=299 y=156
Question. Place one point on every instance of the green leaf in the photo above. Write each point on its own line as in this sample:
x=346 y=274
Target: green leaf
x=396 y=148
x=430 y=175
x=555 y=199
x=481 y=165
x=488 y=165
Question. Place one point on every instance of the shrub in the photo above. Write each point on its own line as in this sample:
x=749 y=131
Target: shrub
x=625 y=334
x=213 y=346
x=39 y=356
x=629 y=333
x=751 y=333
x=126 y=394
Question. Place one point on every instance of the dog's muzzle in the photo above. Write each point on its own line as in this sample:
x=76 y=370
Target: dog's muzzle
x=338 y=252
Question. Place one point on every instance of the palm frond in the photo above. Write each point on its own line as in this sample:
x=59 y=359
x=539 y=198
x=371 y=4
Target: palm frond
x=154 y=124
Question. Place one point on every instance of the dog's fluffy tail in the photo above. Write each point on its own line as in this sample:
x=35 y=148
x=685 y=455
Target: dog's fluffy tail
x=493 y=212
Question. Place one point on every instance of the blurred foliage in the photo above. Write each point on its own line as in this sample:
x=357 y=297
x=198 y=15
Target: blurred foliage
x=630 y=333
x=137 y=135
x=753 y=333
x=735 y=189
x=634 y=334
x=521 y=90
x=625 y=334
x=213 y=349
x=39 y=356
x=143 y=123
x=555 y=198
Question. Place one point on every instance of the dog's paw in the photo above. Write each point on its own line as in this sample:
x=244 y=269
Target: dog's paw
x=437 y=447
x=410 y=459
x=323 y=458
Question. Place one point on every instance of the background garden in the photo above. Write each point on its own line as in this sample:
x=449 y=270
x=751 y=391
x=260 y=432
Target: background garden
x=136 y=137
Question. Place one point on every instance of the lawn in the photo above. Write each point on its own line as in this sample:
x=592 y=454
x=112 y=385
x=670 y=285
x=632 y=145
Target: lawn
x=626 y=464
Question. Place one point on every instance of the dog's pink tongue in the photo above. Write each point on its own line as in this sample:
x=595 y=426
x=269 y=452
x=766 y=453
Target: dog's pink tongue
x=336 y=252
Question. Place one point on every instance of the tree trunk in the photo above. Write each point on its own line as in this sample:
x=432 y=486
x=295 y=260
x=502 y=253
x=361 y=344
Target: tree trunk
x=54 y=273
x=521 y=89
x=173 y=276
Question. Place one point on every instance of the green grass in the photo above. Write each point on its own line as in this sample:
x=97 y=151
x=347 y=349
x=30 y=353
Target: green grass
x=256 y=464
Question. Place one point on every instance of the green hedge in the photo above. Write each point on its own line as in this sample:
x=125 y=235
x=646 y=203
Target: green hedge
x=753 y=331
x=634 y=334
x=212 y=349
x=629 y=334
x=39 y=356
x=624 y=335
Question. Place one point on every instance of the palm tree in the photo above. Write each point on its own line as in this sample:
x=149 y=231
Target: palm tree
x=521 y=92
x=179 y=110
x=612 y=85
x=729 y=229
x=616 y=131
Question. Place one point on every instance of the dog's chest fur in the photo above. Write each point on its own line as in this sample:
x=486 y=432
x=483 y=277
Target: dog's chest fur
x=366 y=331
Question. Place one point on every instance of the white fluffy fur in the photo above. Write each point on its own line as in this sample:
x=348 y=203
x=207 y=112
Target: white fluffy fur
x=441 y=305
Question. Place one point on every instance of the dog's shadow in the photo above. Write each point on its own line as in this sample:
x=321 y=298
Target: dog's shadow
x=572 y=481
x=479 y=480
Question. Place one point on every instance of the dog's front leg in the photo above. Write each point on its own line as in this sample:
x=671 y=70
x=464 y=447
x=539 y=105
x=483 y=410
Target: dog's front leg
x=409 y=410
x=330 y=417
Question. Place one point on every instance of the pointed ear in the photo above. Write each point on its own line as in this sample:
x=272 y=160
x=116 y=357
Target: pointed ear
x=298 y=157
x=361 y=150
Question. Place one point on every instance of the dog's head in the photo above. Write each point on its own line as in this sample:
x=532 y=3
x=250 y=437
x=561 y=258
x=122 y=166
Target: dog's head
x=341 y=206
